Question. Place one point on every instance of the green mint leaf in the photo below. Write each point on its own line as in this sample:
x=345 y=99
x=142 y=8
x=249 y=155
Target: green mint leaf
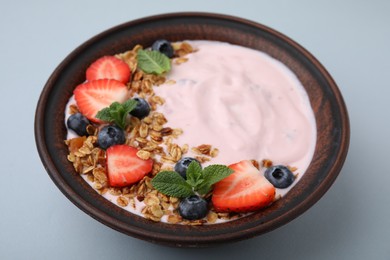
x=203 y=188
x=211 y=175
x=115 y=106
x=153 y=62
x=117 y=112
x=129 y=105
x=194 y=174
x=172 y=184
x=104 y=115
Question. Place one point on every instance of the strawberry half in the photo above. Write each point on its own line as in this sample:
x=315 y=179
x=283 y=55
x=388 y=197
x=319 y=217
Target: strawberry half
x=244 y=190
x=124 y=167
x=109 y=67
x=93 y=96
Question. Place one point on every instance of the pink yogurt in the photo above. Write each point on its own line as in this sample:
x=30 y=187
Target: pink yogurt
x=242 y=101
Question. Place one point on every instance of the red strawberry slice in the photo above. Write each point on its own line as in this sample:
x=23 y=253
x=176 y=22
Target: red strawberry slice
x=124 y=167
x=244 y=190
x=109 y=67
x=95 y=95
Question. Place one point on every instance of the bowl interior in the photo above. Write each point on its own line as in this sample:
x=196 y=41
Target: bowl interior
x=326 y=100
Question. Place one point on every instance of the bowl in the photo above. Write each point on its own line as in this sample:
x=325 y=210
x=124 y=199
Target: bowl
x=331 y=116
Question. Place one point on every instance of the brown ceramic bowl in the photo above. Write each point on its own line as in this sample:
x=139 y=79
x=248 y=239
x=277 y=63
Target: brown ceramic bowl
x=326 y=100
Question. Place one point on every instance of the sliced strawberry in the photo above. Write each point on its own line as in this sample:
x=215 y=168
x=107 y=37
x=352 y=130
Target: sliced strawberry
x=109 y=67
x=124 y=167
x=95 y=95
x=244 y=190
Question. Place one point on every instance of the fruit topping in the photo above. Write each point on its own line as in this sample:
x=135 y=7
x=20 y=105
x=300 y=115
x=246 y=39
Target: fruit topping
x=110 y=135
x=280 y=176
x=163 y=46
x=243 y=191
x=198 y=181
x=153 y=62
x=117 y=113
x=193 y=207
x=95 y=95
x=109 y=67
x=78 y=123
x=124 y=167
x=142 y=108
x=182 y=165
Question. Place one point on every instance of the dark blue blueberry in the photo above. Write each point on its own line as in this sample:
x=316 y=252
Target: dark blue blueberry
x=182 y=165
x=78 y=123
x=193 y=207
x=142 y=109
x=110 y=135
x=163 y=46
x=279 y=176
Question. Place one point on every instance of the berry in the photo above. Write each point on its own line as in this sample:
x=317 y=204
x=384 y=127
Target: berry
x=124 y=167
x=280 y=176
x=110 y=135
x=109 y=67
x=163 y=46
x=142 y=109
x=78 y=123
x=182 y=165
x=193 y=207
x=244 y=190
x=93 y=96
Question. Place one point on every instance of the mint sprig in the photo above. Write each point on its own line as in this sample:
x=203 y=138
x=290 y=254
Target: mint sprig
x=198 y=181
x=117 y=113
x=172 y=184
x=153 y=62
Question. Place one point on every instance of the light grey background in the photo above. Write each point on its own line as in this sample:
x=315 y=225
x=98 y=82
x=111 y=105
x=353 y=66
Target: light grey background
x=350 y=38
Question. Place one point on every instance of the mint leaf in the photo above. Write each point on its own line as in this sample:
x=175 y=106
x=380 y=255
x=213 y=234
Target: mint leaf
x=215 y=173
x=129 y=105
x=201 y=181
x=104 y=114
x=211 y=175
x=194 y=174
x=153 y=62
x=172 y=184
x=117 y=112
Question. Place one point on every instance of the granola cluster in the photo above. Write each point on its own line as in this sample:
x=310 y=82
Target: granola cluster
x=154 y=139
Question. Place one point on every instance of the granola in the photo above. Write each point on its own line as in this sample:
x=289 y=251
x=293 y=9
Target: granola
x=154 y=138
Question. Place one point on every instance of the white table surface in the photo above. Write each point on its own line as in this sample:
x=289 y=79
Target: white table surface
x=350 y=38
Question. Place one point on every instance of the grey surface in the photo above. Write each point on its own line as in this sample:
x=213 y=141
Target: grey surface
x=350 y=38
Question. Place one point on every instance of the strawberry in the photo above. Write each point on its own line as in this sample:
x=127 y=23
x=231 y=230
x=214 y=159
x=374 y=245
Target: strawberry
x=124 y=167
x=109 y=67
x=244 y=190
x=92 y=96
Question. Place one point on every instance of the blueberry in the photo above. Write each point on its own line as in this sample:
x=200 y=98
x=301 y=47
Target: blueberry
x=142 y=109
x=182 y=165
x=193 y=207
x=163 y=46
x=110 y=135
x=78 y=123
x=279 y=176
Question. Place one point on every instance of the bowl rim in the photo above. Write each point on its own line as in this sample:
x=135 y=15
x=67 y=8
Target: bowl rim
x=172 y=239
